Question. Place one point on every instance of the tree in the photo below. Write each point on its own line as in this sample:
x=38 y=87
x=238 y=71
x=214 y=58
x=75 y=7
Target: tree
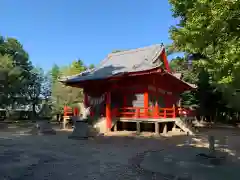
x=63 y=95
x=76 y=67
x=209 y=29
x=91 y=66
x=181 y=65
x=18 y=70
x=21 y=83
x=5 y=68
x=38 y=90
x=208 y=32
x=55 y=73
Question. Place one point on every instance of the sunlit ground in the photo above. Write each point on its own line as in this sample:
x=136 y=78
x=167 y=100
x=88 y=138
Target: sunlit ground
x=57 y=157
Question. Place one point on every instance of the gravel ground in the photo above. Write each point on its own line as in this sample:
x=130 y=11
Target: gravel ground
x=56 y=157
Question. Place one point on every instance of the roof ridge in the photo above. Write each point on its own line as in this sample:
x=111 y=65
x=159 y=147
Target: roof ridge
x=133 y=50
x=110 y=55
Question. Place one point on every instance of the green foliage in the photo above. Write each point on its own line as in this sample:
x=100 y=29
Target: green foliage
x=181 y=65
x=91 y=66
x=63 y=95
x=208 y=32
x=21 y=83
x=211 y=29
x=16 y=69
x=55 y=73
x=76 y=67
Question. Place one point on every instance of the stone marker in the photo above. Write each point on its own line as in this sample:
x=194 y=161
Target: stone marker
x=81 y=129
x=42 y=128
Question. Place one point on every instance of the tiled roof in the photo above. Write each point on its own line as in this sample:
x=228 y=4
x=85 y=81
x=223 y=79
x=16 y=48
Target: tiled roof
x=140 y=59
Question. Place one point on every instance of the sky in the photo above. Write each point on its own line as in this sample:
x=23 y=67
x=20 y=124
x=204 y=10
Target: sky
x=60 y=31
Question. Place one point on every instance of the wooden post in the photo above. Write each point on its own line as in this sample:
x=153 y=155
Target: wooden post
x=164 y=113
x=115 y=127
x=108 y=111
x=65 y=117
x=174 y=126
x=156 y=128
x=146 y=104
x=137 y=113
x=65 y=109
x=75 y=111
x=138 y=127
x=174 y=111
x=156 y=110
x=165 y=129
x=64 y=122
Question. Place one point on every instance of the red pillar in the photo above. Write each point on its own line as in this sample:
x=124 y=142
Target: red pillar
x=146 y=104
x=156 y=110
x=108 y=110
x=75 y=111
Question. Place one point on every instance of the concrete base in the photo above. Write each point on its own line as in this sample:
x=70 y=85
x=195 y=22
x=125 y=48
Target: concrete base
x=80 y=131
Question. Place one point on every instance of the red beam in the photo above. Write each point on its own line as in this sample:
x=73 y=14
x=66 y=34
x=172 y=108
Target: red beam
x=165 y=61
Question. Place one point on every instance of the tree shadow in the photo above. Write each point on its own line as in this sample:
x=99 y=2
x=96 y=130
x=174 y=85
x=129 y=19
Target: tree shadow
x=173 y=146
x=138 y=149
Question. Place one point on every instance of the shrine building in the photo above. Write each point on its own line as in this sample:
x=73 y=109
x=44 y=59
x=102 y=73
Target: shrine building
x=132 y=86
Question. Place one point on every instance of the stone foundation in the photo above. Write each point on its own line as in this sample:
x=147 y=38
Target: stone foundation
x=100 y=125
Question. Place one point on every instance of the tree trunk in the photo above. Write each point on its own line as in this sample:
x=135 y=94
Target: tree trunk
x=34 y=111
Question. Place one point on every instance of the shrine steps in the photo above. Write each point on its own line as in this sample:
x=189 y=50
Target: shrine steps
x=186 y=127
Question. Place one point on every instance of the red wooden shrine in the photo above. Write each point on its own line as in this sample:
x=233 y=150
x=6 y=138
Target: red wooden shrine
x=147 y=91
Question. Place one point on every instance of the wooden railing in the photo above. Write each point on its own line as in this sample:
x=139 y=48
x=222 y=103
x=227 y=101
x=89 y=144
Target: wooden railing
x=68 y=111
x=140 y=112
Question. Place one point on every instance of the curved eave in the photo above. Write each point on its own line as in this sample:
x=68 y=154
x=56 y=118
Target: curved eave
x=69 y=82
x=184 y=86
